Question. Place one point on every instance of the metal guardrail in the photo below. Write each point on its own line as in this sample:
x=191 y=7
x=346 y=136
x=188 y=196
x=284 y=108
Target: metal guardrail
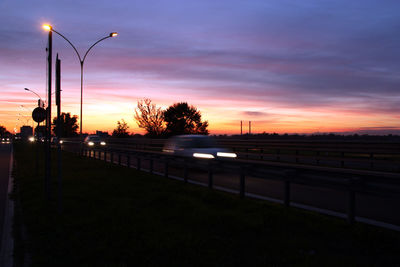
x=362 y=155
x=350 y=181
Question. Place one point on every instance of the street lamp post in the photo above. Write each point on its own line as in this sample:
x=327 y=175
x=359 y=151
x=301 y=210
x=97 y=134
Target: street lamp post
x=81 y=61
x=40 y=102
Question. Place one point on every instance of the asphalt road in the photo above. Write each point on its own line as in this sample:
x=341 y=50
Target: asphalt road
x=5 y=156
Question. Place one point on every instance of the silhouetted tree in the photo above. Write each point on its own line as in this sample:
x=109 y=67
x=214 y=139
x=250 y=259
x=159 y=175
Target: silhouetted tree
x=149 y=117
x=3 y=131
x=122 y=129
x=181 y=118
x=69 y=125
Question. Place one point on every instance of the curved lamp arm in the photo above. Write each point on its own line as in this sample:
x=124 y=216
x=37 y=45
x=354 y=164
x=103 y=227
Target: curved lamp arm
x=65 y=38
x=93 y=46
x=27 y=89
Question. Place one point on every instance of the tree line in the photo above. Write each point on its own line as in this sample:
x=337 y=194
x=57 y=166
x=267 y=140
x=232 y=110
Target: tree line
x=179 y=118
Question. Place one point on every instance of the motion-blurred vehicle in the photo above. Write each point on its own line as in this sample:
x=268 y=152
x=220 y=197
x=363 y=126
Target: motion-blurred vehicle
x=94 y=140
x=5 y=140
x=198 y=146
x=54 y=140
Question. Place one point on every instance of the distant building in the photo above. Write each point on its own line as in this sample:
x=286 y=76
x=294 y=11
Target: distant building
x=102 y=134
x=26 y=132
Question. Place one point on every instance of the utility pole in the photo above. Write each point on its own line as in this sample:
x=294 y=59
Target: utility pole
x=241 y=127
x=249 y=127
x=59 y=132
x=48 y=120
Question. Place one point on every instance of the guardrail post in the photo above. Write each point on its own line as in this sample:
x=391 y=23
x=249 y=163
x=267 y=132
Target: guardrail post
x=318 y=158
x=342 y=161
x=151 y=165
x=371 y=158
x=289 y=175
x=297 y=156
x=166 y=168
x=210 y=176
x=185 y=172
x=242 y=181
x=105 y=155
x=128 y=160
x=119 y=158
x=138 y=163
x=262 y=154
x=352 y=203
x=287 y=193
x=278 y=152
x=112 y=158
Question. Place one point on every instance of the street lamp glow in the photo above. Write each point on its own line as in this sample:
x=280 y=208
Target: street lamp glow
x=81 y=61
x=47 y=27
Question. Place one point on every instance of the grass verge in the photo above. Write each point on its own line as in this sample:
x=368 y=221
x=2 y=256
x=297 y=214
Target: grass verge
x=116 y=216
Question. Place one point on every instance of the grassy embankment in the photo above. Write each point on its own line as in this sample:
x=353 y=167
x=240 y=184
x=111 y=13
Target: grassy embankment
x=115 y=216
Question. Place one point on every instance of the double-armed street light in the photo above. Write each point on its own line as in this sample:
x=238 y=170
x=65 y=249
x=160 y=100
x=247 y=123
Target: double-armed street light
x=81 y=61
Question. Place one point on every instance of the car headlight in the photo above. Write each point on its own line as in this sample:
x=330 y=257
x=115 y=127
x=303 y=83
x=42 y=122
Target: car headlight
x=91 y=144
x=103 y=143
x=226 y=155
x=32 y=139
x=61 y=141
x=203 y=155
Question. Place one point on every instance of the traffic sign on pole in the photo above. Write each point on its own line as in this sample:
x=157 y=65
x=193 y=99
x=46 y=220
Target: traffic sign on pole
x=39 y=114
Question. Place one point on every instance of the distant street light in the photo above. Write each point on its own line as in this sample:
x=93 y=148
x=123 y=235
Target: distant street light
x=81 y=61
x=27 y=89
x=30 y=111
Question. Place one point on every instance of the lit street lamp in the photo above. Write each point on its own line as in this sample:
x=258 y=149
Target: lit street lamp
x=81 y=61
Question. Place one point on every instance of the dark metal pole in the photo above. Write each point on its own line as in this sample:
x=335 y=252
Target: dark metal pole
x=80 y=119
x=249 y=127
x=59 y=132
x=37 y=150
x=48 y=120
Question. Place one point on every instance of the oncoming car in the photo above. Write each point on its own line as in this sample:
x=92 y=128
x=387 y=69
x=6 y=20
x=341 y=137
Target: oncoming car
x=198 y=146
x=94 y=140
x=5 y=140
x=54 y=140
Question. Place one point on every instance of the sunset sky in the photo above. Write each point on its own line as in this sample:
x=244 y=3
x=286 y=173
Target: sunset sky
x=287 y=66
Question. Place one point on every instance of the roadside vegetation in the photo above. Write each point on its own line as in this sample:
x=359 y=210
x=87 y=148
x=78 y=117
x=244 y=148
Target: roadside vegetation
x=116 y=216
